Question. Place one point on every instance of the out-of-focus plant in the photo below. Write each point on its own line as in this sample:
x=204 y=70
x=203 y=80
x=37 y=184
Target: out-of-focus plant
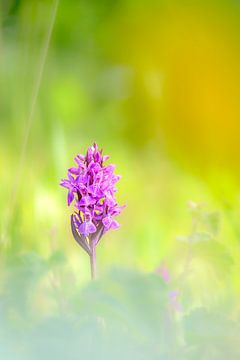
x=91 y=186
x=127 y=314
x=205 y=225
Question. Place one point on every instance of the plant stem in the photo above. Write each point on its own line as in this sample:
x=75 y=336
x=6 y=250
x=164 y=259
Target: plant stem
x=93 y=260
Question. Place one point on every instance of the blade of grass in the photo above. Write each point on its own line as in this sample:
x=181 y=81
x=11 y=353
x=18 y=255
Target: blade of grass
x=20 y=167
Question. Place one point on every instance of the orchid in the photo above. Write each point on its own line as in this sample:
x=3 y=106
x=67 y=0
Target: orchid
x=91 y=189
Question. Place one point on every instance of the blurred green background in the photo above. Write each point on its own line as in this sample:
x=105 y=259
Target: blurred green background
x=156 y=85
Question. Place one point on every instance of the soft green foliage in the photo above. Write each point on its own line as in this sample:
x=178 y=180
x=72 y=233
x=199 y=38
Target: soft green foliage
x=126 y=314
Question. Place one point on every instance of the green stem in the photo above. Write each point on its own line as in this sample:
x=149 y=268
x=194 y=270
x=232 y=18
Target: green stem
x=93 y=262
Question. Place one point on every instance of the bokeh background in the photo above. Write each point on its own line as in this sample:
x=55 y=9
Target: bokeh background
x=156 y=85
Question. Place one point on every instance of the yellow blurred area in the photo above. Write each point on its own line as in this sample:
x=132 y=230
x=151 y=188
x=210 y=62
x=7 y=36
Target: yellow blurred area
x=185 y=62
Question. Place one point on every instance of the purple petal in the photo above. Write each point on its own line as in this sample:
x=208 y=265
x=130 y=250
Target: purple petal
x=91 y=227
x=87 y=228
x=79 y=159
x=110 y=201
x=65 y=183
x=83 y=189
x=70 y=197
x=110 y=169
x=87 y=215
x=117 y=210
x=79 y=207
x=71 y=178
x=105 y=158
x=116 y=178
x=98 y=157
x=74 y=171
x=86 y=201
x=109 y=223
x=114 y=225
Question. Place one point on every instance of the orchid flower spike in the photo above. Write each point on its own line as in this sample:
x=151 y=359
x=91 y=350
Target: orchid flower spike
x=91 y=188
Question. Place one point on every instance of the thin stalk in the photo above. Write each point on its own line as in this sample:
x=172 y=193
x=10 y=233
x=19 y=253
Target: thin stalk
x=93 y=261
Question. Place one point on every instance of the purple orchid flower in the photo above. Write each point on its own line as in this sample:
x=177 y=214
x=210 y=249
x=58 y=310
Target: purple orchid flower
x=91 y=187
